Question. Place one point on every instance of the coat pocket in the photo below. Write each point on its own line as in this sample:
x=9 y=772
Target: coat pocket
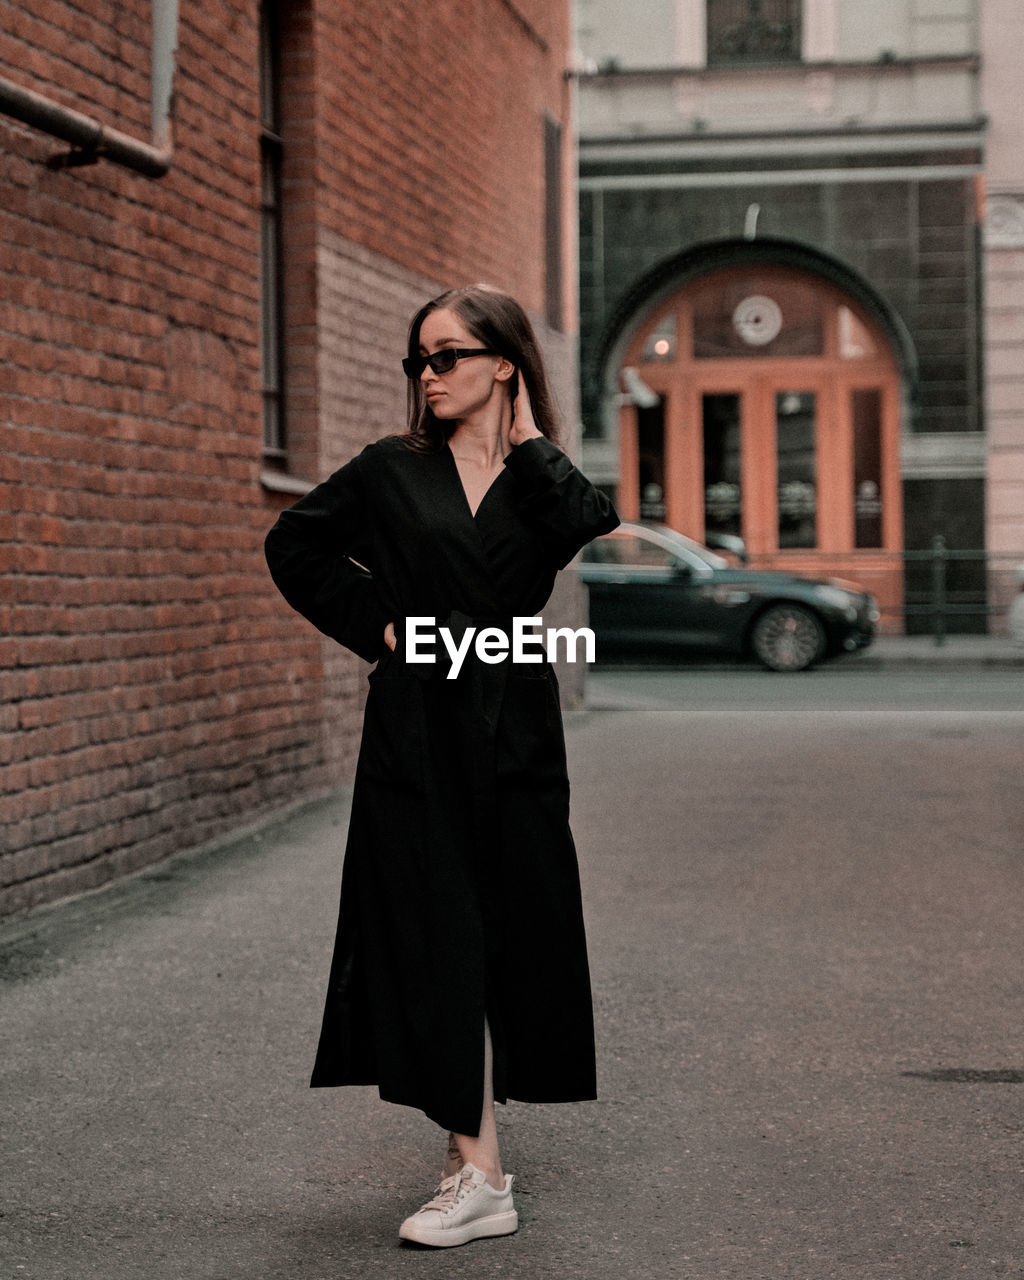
x=391 y=754
x=531 y=741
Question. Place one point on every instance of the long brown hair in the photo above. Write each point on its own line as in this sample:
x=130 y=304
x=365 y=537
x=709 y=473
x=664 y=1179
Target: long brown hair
x=499 y=323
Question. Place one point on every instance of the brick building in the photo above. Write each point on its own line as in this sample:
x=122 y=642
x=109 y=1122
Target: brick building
x=801 y=301
x=203 y=301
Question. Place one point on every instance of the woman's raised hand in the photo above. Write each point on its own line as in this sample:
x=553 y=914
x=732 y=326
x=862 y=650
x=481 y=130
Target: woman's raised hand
x=523 y=425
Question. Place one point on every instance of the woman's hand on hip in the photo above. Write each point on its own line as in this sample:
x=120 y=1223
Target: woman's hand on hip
x=390 y=639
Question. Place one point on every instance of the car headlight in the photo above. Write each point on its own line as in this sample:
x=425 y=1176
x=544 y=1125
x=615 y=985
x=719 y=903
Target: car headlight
x=843 y=601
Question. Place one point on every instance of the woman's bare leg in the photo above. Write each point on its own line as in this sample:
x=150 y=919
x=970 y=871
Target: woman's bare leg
x=453 y=1161
x=482 y=1151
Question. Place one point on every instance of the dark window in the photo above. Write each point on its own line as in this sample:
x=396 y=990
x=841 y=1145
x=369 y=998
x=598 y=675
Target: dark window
x=553 y=220
x=271 y=275
x=753 y=31
x=866 y=405
x=795 y=415
x=650 y=430
x=722 y=501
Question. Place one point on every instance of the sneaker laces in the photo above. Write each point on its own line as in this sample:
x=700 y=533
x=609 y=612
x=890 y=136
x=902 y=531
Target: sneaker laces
x=450 y=1193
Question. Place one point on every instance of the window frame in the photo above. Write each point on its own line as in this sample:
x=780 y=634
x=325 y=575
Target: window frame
x=272 y=334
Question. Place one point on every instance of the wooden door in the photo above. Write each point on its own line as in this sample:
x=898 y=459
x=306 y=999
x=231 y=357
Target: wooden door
x=769 y=408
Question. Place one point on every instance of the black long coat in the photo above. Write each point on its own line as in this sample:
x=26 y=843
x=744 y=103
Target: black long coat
x=460 y=892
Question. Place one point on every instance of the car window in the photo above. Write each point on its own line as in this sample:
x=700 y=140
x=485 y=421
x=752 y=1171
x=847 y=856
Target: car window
x=628 y=549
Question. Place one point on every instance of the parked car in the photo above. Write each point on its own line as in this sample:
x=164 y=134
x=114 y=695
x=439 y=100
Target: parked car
x=652 y=589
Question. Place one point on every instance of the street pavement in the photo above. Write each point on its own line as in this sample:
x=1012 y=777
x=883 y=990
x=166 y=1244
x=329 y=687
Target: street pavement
x=804 y=898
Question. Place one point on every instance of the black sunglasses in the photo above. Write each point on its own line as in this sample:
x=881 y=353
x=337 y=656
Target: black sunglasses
x=442 y=361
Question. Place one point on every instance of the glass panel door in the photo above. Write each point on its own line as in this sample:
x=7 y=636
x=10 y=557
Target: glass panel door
x=796 y=427
x=867 y=466
x=650 y=434
x=722 y=483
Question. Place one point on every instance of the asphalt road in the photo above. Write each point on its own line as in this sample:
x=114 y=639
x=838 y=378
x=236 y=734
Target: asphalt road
x=805 y=899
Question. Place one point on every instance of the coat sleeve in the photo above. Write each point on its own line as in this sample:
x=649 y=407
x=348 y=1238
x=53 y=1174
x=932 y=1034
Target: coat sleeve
x=311 y=552
x=558 y=500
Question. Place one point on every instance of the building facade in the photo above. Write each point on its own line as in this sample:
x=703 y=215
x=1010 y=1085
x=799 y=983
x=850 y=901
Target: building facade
x=800 y=284
x=216 y=223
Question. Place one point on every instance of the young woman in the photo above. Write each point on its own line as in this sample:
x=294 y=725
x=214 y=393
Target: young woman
x=460 y=970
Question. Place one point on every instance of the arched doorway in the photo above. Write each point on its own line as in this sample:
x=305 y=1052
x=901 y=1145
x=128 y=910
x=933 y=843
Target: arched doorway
x=762 y=401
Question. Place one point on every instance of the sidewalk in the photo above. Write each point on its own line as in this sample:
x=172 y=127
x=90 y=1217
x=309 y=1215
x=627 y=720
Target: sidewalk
x=956 y=651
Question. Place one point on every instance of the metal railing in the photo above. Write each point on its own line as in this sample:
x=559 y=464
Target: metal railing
x=950 y=586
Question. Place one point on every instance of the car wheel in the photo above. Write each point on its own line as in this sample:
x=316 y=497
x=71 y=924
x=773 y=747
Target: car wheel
x=787 y=637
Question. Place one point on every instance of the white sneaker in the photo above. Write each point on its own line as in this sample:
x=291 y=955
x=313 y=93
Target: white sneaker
x=465 y=1207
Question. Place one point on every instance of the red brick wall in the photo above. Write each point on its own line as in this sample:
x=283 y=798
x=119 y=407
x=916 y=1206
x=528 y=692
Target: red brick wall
x=431 y=134
x=155 y=691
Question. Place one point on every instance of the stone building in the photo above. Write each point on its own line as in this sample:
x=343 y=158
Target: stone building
x=216 y=221
x=801 y=289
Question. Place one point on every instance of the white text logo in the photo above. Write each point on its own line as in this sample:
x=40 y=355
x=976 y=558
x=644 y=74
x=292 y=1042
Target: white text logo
x=492 y=645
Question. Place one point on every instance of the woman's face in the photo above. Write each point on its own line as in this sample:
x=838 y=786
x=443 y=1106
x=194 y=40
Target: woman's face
x=474 y=381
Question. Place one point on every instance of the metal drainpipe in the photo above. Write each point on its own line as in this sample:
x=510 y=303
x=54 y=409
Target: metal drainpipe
x=93 y=141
